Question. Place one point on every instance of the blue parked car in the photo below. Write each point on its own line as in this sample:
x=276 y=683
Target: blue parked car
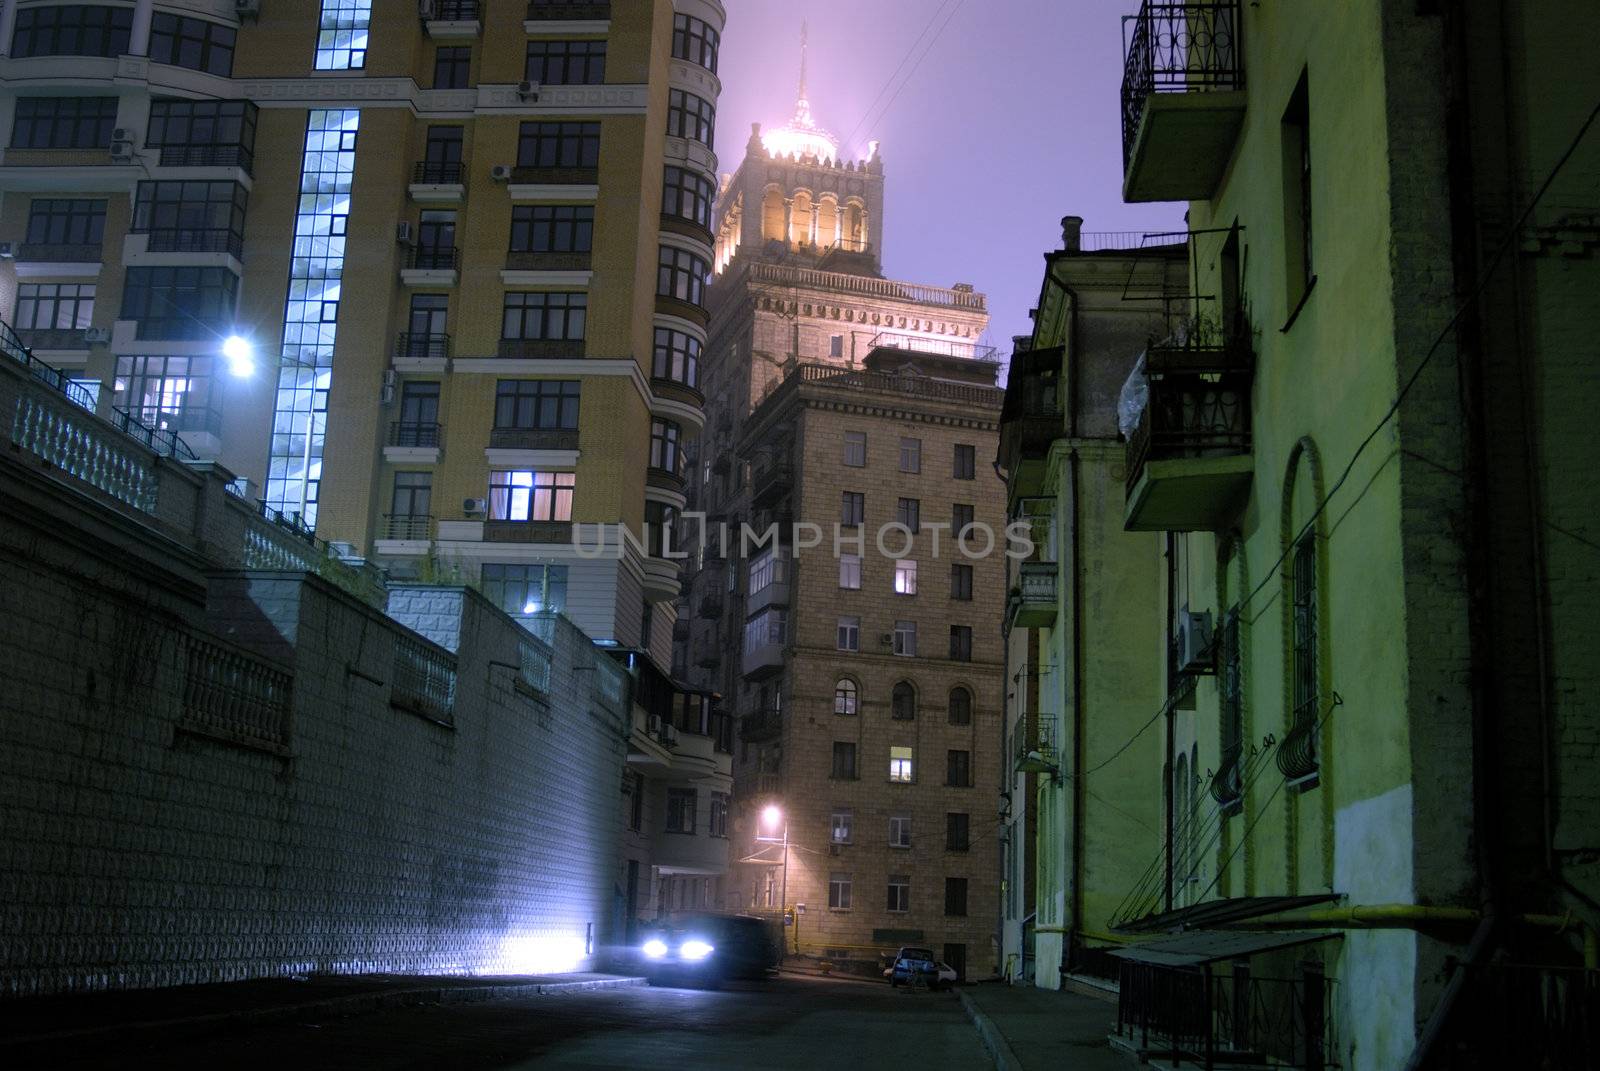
x=915 y=966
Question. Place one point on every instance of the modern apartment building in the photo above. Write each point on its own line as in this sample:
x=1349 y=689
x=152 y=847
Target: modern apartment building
x=460 y=249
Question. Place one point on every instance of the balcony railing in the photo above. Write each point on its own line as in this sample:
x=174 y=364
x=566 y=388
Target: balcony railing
x=533 y=438
x=434 y=258
x=565 y=12
x=55 y=338
x=452 y=10
x=195 y=240
x=540 y=348
x=771 y=481
x=1227 y=784
x=413 y=346
x=415 y=434
x=408 y=527
x=527 y=531
x=1031 y=419
x=424 y=679
x=231 y=693
x=1033 y=601
x=1521 y=1015
x=867 y=286
x=60 y=253
x=942 y=347
x=1037 y=736
x=439 y=172
x=207 y=156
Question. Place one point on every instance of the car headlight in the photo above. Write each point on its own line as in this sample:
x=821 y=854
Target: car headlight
x=655 y=948
x=695 y=950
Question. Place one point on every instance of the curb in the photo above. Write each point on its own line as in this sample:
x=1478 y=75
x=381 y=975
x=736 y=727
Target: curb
x=356 y=1004
x=1004 y=1058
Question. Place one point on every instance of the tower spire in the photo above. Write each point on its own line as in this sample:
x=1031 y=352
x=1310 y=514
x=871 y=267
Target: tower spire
x=805 y=32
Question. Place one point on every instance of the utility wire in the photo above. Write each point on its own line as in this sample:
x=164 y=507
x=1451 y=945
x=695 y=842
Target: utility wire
x=913 y=69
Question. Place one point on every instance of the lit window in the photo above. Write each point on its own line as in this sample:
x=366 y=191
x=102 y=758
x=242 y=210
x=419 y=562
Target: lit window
x=843 y=820
x=905 y=578
x=526 y=495
x=844 y=697
x=850 y=571
x=903 y=702
x=900 y=769
x=342 y=35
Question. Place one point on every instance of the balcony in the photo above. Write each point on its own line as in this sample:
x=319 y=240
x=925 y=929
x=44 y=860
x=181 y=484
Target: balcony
x=527 y=531
x=53 y=338
x=762 y=725
x=662 y=579
x=710 y=606
x=544 y=10
x=413 y=442
x=208 y=156
x=1183 y=98
x=418 y=352
x=407 y=527
x=438 y=182
x=1031 y=419
x=55 y=253
x=1035 y=747
x=774 y=593
x=451 y=20
x=431 y=266
x=765 y=636
x=195 y=240
x=1033 y=600
x=539 y=349
x=771 y=481
x=1188 y=460
x=533 y=438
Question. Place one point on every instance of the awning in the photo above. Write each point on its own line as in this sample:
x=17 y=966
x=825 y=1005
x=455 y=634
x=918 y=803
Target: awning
x=1218 y=912
x=1208 y=946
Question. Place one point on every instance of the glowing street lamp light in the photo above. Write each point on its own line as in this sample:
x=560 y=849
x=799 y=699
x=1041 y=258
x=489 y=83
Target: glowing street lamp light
x=240 y=355
x=771 y=816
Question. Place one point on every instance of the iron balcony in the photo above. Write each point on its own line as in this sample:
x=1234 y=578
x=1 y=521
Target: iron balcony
x=1033 y=600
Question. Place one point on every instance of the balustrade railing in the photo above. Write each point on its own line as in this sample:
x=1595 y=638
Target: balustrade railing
x=424 y=679
x=411 y=433
x=1177 y=48
x=410 y=527
x=417 y=346
x=868 y=286
x=943 y=347
x=207 y=156
x=438 y=172
x=195 y=240
x=231 y=692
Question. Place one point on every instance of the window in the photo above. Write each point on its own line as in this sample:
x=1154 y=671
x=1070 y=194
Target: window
x=660 y=521
x=850 y=571
x=900 y=766
x=903 y=702
x=960 y=706
x=677 y=357
x=765 y=569
x=208 y=132
x=899 y=893
x=905 y=577
x=966 y=462
x=452 y=67
x=666 y=452
x=961 y=643
x=844 y=697
x=958 y=769
x=62 y=306
x=171 y=393
x=855 y=449
x=681 y=275
x=552 y=228
x=72 y=30
x=955 y=896
x=905 y=638
x=957 y=826
x=838 y=882
x=1297 y=194
x=1231 y=687
x=523 y=495
x=342 y=35
x=692 y=117
x=633 y=788
x=419 y=409
x=555 y=63
x=66 y=222
x=1305 y=634
x=192 y=43
x=688 y=196
x=695 y=41
x=849 y=636
x=835 y=345
x=961 y=582
x=558 y=145
x=520 y=590
x=908 y=513
x=63 y=122
x=899 y=831
x=844 y=761
x=910 y=455
x=843 y=825
x=680 y=810
x=718 y=825
x=961 y=517
x=413 y=494
x=181 y=302
x=852 y=509
x=536 y=403
x=191 y=216
x=545 y=316
x=769 y=627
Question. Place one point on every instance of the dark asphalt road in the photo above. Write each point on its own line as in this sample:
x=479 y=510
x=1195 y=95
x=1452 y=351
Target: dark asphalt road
x=787 y=1022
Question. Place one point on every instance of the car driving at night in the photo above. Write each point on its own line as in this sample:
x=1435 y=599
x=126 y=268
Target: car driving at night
x=709 y=949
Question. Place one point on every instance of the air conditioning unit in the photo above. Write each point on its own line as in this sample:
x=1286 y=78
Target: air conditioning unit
x=886 y=639
x=7 y=250
x=472 y=506
x=1193 y=642
x=386 y=395
x=122 y=152
x=122 y=133
x=100 y=335
x=528 y=90
x=247 y=8
x=405 y=234
x=500 y=172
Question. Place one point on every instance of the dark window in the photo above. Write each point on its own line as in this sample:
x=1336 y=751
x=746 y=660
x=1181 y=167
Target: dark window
x=413 y=494
x=436 y=239
x=899 y=831
x=844 y=761
x=185 y=128
x=64 y=122
x=191 y=216
x=839 y=883
x=552 y=228
x=443 y=148
x=559 y=145
x=681 y=275
x=961 y=516
x=192 y=43
x=1297 y=192
x=545 y=316
x=966 y=462
x=633 y=785
x=172 y=393
x=666 y=451
x=680 y=810
x=695 y=41
x=536 y=403
x=180 y=302
x=526 y=589
x=1305 y=632
x=958 y=769
x=452 y=67
x=910 y=455
x=719 y=814
x=961 y=582
x=429 y=314
x=908 y=512
x=855 y=449
x=956 y=831
x=688 y=196
x=852 y=508
x=961 y=643
x=899 y=893
x=557 y=63
x=960 y=706
x=677 y=357
x=72 y=30
x=955 y=896
x=419 y=403
x=64 y=222
x=692 y=117
x=903 y=702
x=63 y=306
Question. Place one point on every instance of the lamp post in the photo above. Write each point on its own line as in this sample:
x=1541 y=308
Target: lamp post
x=770 y=817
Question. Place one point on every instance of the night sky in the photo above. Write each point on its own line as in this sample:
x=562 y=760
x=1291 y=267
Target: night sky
x=1009 y=122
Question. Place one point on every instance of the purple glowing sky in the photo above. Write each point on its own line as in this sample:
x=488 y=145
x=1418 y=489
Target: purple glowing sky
x=1009 y=122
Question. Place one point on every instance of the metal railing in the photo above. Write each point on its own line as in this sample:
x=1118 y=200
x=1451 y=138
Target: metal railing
x=207 y=156
x=1198 y=405
x=164 y=441
x=921 y=386
x=195 y=240
x=942 y=347
x=12 y=346
x=867 y=286
x=539 y=348
x=534 y=657
x=231 y=692
x=564 y=11
x=60 y=253
x=416 y=346
x=533 y=438
x=415 y=434
x=434 y=258
x=424 y=679
x=408 y=527
x=1524 y=1015
x=438 y=172
x=1227 y=784
x=453 y=10
x=1177 y=48
x=1036 y=582
x=1036 y=735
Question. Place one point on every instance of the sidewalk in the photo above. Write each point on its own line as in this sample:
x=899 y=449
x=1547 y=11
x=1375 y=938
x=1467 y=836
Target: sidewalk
x=193 y=1010
x=1028 y=1029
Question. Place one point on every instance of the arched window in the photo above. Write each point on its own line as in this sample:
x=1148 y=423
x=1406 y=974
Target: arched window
x=828 y=221
x=855 y=228
x=903 y=703
x=772 y=214
x=800 y=219
x=960 y=706
x=844 y=697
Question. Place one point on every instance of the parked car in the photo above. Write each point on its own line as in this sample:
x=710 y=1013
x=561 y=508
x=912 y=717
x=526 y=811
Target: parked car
x=709 y=949
x=947 y=974
x=915 y=965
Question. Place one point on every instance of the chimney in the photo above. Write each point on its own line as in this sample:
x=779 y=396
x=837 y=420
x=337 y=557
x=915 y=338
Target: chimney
x=1071 y=232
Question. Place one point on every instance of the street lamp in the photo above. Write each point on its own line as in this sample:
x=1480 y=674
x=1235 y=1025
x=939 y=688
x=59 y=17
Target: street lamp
x=240 y=355
x=771 y=816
